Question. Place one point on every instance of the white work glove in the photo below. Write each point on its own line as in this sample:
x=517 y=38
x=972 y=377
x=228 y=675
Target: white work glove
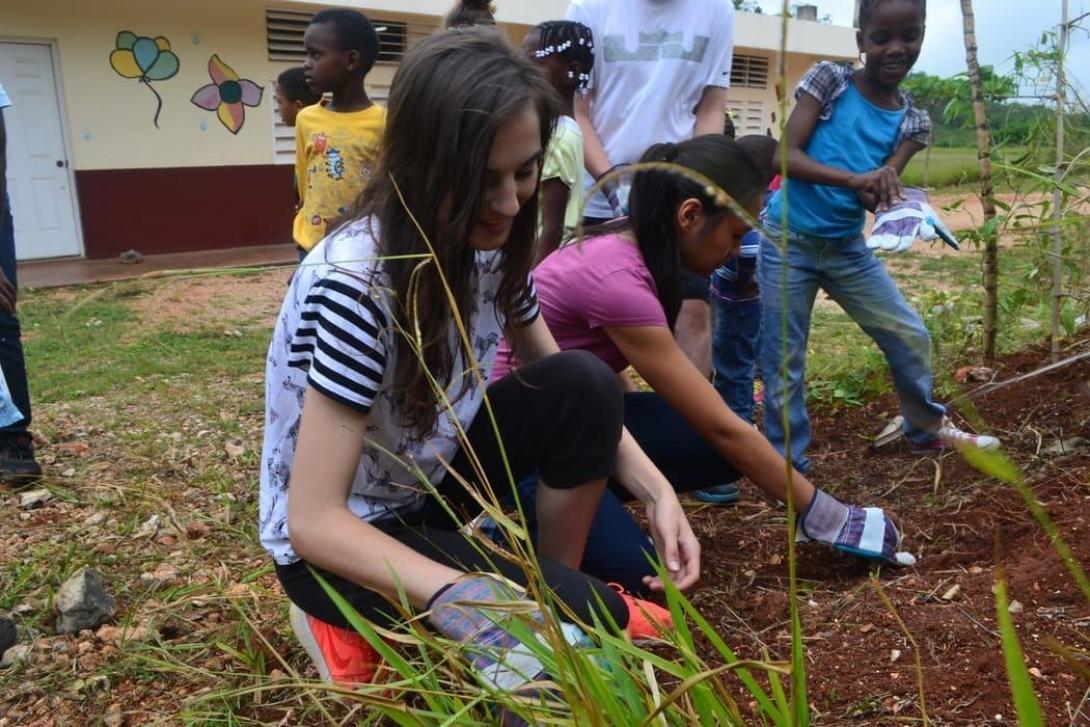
x=896 y=229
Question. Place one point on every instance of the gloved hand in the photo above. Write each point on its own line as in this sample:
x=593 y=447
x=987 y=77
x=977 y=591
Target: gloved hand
x=461 y=613
x=896 y=229
x=615 y=188
x=864 y=531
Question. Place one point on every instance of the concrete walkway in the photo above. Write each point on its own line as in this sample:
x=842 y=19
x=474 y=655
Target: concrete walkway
x=79 y=271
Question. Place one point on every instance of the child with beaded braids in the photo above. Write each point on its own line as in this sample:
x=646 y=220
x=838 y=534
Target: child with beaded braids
x=565 y=50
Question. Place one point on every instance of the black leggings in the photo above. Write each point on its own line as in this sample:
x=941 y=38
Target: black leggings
x=562 y=417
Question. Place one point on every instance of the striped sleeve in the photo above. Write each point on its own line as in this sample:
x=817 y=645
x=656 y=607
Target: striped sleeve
x=341 y=340
x=528 y=310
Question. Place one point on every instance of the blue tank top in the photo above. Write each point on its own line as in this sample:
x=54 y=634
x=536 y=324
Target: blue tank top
x=859 y=137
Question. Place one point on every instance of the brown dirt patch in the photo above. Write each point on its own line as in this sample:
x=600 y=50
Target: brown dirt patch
x=953 y=518
x=216 y=298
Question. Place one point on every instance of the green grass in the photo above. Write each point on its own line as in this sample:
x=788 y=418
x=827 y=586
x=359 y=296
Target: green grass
x=947 y=167
x=97 y=344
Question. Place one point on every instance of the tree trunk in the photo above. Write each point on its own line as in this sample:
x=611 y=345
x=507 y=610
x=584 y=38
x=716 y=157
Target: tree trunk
x=1057 y=196
x=987 y=194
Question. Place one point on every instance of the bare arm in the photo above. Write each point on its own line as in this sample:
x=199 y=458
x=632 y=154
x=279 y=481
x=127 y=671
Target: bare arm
x=594 y=154
x=655 y=355
x=324 y=532
x=710 y=111
x=554 y=203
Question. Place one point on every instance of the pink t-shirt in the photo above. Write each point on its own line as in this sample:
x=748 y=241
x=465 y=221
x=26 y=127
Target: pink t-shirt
x=587 y=286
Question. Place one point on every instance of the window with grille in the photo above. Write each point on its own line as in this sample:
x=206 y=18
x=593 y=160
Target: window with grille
x=749 y=71
x=748 y=117
x=284 y=36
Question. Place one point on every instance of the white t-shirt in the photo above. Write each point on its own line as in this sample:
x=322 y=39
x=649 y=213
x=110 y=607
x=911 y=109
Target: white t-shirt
x=653 y=59
x=334 y=334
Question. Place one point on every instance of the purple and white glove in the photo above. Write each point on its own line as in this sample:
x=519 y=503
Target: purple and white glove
x=461 y=612
x=864 y=531
x=896 y=229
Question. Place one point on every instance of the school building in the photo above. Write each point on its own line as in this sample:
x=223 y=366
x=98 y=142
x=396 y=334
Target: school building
x=150 y=124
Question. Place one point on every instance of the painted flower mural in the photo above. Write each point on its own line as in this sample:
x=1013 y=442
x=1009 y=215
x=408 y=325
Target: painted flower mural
x=227 y=95
x=145 y=59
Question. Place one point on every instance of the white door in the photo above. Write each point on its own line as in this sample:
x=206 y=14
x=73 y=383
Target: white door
x=39 y=181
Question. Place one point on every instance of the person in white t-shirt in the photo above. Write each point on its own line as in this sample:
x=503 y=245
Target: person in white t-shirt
x=661 y=75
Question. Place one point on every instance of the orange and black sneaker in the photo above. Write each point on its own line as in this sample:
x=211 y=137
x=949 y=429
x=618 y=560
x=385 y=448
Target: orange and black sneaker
x=342 y=656
x=647 y=621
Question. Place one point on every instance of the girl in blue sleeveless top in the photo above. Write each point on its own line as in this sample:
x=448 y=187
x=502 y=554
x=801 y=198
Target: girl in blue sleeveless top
x=848 y=140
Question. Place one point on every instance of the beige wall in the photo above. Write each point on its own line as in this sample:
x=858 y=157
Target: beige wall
x=109 y=118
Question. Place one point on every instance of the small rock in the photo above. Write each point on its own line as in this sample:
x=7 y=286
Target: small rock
x=95 y=519
x=952 y=592
x=1067 y=446
x=968 y=374
x=83 y=603
x=1015 y=607
x=132 y=257
x=149 y=528
x=976 y=570
x=1036 y=673
x=234 y=449
x=116 y=635
x=894 y=655
x=70 y=472
x=104 y=548
x=866 y=628
x=79 y=449
x=113 y=716
x=164 y=574
x=34 y=499
x=196 y=530
x=15 y=655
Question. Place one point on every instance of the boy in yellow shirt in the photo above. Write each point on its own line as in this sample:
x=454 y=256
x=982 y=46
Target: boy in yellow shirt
x=336 y=145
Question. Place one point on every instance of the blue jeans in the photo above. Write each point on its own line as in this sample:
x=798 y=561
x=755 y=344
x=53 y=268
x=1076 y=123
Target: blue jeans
x=11 y=345
x=734 y=353
x=857 y=280
x=617 y=550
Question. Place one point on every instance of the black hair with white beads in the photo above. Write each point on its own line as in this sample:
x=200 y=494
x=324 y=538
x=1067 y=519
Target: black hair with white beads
x=571 y=41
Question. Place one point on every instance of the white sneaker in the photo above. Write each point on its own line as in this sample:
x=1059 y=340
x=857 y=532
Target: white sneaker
x=950 y=436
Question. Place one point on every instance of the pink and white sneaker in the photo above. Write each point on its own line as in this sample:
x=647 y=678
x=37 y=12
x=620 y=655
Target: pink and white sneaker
x=950 y=436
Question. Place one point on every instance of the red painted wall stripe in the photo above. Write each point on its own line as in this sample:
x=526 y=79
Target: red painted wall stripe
x=183 y=209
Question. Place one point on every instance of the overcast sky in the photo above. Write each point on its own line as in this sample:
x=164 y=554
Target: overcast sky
x=1002 y=27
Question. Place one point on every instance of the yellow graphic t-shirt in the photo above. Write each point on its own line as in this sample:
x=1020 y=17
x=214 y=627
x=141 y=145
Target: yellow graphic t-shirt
x=335 y=155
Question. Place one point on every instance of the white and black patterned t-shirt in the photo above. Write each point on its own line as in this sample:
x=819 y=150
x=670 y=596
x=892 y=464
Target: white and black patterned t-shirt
x=335 y=334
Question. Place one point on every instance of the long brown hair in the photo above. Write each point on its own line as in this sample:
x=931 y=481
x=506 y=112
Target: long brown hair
x=449 y=97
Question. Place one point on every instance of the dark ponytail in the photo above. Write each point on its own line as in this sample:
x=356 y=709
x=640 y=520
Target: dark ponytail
x=471 y=12
x=657 y=193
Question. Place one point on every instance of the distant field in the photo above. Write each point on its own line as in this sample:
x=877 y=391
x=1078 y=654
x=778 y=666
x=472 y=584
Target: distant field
x=953 y=167
x=948 y=167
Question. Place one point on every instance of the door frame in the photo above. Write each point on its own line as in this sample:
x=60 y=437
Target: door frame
x=66 y=137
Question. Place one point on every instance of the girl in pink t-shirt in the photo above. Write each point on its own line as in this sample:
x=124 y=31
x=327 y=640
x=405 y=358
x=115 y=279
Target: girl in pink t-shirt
x=617 y=294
